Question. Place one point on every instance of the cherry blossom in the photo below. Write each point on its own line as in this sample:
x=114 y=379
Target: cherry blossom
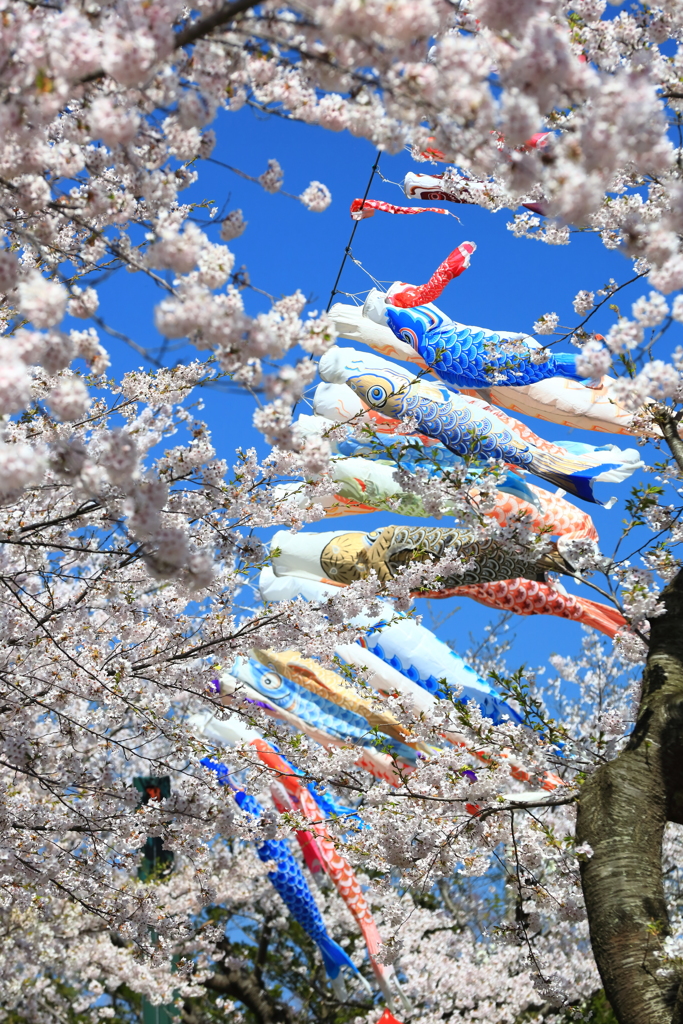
x=131 y=547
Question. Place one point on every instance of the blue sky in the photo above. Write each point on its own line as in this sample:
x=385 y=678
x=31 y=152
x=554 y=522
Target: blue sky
x=285 y=247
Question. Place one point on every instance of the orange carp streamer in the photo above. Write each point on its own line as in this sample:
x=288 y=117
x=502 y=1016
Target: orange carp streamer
x=334 y=863
x=556 y=516
x=525 y=597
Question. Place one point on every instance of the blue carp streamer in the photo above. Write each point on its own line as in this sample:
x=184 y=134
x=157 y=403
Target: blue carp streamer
x=315 y=710
x=415 y=652
x=470 y=357
x=410 y=453
x=288 y=880
x=468 y=428
x=405 y=645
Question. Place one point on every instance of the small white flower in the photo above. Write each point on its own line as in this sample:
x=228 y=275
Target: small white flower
x=624 y=335
x=546 y=324
x=84 y=303
x=316 y=197
x=69 y=399
x=15 y=386
x=651 y=311
x=583 y=302
x=594 y=360
x=272 y=178
x=41 y=301
x=233 y=226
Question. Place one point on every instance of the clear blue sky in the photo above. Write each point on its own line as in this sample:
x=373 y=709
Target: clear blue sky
x=285 y=247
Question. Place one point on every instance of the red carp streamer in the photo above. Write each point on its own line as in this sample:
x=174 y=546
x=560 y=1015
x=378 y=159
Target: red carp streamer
x=453 y=266
x=528 y=597
x=360 y=209
x=388 y=1018
x=537 y=141
x=334 y=863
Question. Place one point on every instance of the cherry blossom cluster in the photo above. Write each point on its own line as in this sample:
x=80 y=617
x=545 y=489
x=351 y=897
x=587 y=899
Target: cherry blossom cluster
x=130 y=546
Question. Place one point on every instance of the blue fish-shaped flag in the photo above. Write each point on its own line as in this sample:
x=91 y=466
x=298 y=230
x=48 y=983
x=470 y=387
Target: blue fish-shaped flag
x=405 y=645
x=288 y=880
x=315 y=710
x=466 y=426
x=419 y=655
x=471 y=357
x=411 y=454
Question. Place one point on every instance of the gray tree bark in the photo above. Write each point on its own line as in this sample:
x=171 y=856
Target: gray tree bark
x=623 y=810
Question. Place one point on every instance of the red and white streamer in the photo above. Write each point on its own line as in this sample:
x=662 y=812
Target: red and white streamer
x=362 y=208
x=453 y=266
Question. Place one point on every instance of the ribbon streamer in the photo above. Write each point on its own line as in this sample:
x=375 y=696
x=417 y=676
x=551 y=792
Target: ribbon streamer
x=526 y=597
x=288 y=881
x=386 y=767
x=319 y=853
x=363 y=208
x=556 y=399
x=468 y=357
x=406 y=658
x=334 y=863
x=366 y=485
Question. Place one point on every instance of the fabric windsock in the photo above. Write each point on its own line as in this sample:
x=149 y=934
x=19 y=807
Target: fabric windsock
x=345 y=556
x=468 y=357
x=288 y=881
x=555 y=399
x=526 y=597
x=397 y=451
x=403 y=655
x=465 y=427
x=406 y=296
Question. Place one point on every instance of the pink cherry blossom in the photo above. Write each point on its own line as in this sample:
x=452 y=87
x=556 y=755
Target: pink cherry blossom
x=132 y=541
x=69 y=399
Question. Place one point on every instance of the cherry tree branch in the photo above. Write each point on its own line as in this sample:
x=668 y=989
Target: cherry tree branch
x=668 y=425
x=199 y=29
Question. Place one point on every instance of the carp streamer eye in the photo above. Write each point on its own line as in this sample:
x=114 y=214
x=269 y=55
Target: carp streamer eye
x=270 y=681
x=377 y=395
x=410 y=336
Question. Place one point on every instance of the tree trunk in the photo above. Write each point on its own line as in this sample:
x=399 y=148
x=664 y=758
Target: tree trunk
x=623 y=810
x=242 y=986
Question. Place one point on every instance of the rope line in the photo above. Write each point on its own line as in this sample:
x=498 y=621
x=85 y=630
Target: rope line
x=347 y=250
x=388 y=181
x=360 y=266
